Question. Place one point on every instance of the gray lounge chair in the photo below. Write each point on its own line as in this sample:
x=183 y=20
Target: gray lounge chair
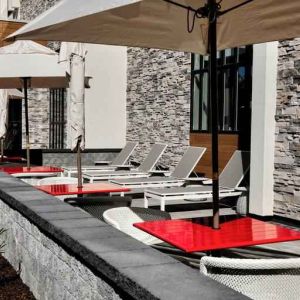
x=119 y=161
x=177 y=178
x=230 y=178
x=142 y=171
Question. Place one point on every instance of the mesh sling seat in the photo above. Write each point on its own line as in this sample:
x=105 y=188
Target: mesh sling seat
x=119 y=161
x=177 y=178
x=230 y=179
x=96 y=206
x=142 y=171
x=260 y=279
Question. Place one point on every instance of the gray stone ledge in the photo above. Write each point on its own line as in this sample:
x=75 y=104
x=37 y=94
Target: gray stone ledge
x=134 y=268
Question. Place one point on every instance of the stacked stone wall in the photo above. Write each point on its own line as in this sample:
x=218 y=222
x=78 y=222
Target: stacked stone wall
x=287 y=148
x=38 y=99
x=49 y=271
x=158 y=101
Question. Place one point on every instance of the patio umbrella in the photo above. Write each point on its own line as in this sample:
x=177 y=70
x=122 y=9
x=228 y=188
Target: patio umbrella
x=200 y=26
x=26 y=64
x=74 y=54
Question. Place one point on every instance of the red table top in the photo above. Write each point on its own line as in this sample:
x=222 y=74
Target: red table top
x=39 y=169
x=191 y=237
x=88 y=188
x=14 y=158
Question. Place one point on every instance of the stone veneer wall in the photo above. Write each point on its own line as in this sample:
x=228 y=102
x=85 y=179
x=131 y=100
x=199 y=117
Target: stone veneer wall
x=49 y=271
x=287 y=148
x=38 y=99
x=158 y=101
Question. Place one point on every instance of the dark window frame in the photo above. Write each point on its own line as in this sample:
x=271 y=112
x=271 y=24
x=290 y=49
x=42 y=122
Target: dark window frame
x=57 y=122
x=232 y=67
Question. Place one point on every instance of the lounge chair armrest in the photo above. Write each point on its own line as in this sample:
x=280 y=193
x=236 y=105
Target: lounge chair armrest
x=123 y=167
x=241 y=189
x=102 y=162
x=197 y=179
x=159 y=172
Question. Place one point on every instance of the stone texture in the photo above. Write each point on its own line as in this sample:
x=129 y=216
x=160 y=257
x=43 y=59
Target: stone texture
x=158 y=101
x=38 y=99
x=45 y=267
x=69 y=159
x=287 y=147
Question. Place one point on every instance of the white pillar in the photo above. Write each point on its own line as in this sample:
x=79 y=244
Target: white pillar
x=3 y=10
x=265 y=60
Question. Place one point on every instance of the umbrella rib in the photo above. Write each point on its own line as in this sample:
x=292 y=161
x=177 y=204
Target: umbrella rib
x=181 y=5
x=221 y=13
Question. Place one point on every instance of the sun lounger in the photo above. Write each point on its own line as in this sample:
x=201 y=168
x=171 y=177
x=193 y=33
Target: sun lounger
x=230 y=178
x=177 y=178
x=119 y=161
x=142 y=171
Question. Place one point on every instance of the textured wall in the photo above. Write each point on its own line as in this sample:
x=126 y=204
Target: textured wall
x=158 y=101
x=46 y=268
x=287 y=148
x=38 y=98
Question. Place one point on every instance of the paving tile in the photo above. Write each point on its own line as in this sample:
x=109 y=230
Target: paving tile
x=112 y=244
x=94 y=233
x=135 y=258
x=178 y=282
x=57 y=207
x=67 y=215
x=77 y=223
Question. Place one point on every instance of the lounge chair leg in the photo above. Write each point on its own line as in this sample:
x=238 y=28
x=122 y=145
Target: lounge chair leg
x=163 y=205
x=146 y=204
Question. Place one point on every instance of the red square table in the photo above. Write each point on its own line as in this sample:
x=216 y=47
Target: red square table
x=238 y=232
x=88 y=188
x=31 y=171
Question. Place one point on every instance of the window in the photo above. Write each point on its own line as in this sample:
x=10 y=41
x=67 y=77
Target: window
x=57 y=118
x=234 y=90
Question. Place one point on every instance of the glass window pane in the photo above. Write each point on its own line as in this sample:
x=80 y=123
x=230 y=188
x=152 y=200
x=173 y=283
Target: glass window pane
x=229 y=56
x=196 y=102
x=204 y=102
x=197 y=62
x=205 y=64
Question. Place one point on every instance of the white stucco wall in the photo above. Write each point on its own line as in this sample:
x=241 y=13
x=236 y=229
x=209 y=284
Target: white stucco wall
x=105 y=110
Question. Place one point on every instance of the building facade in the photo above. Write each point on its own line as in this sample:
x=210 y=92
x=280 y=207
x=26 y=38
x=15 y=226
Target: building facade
x=145 y=95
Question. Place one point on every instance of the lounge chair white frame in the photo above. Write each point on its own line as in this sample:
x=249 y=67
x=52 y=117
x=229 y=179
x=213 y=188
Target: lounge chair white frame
x=119 y=161
x=142 y=171
x=177 y=178
x=259 y=279
x=204 y=193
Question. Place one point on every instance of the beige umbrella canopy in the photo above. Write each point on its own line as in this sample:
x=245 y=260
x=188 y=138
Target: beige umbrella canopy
x=160 y=24
x=26 y=64
x=200 y=26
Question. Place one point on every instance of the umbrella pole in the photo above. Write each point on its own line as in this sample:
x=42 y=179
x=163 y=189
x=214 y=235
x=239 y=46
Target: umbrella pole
x=213 y=94
x=25 y=85
x=79 y=169
x=2 y=149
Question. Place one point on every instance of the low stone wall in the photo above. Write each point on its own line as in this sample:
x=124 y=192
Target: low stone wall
x=68 y=158
x=49 y=271
x=64 y=253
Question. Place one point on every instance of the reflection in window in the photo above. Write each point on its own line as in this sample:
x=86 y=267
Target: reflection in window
x=234 y=89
